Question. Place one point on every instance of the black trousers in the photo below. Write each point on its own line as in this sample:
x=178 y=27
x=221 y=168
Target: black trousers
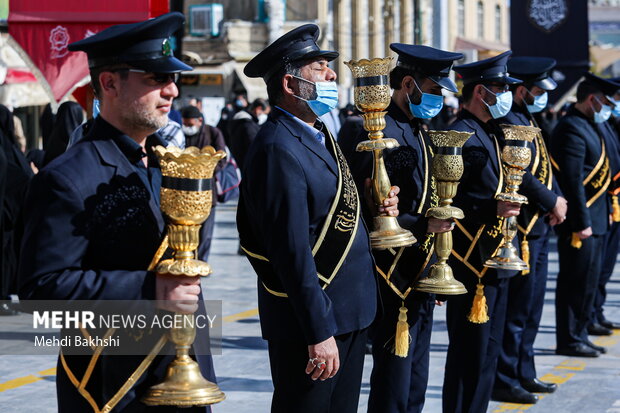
x=610 y=253
x=471 y=361
x=398 y=384
x=296 y=392
x=576 y=287
x=526 y=296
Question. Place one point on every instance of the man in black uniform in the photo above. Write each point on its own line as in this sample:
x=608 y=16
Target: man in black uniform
x=300 y=226
x=398 y=381
x=93 y=221
x=583 y=170
x=475 y=340
x=516 y=372
x=599 y=325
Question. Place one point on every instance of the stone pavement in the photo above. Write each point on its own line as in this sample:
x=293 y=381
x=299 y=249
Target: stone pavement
x=27 y=383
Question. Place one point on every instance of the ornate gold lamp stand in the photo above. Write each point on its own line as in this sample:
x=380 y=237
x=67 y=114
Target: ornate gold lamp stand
x=516 y=156
x=186 y=198
x=447 y=170
x=372 y=97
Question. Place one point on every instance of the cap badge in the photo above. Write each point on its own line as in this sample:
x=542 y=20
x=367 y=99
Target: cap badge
x=166 y=49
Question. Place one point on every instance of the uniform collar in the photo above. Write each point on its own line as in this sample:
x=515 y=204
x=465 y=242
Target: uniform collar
x=522 y=109
x=312 y=130
x=130 y=148
x=400 y=116
x=309 y=128
x=573 y=111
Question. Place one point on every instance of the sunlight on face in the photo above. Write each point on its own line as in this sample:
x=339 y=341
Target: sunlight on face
x=146 y=103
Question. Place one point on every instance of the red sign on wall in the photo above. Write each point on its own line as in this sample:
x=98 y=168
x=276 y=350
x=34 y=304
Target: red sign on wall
x=45 y=29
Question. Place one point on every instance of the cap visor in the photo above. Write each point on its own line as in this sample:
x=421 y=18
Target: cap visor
x=511 y=80
x=445 y=83
x=164 y=65
x=546 y=84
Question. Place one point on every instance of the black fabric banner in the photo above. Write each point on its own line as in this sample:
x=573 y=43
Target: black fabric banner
x=553 y=28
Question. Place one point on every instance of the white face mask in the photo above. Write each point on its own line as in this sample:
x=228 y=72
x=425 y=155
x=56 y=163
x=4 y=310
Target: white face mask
x=262 y=118
x=190 y=130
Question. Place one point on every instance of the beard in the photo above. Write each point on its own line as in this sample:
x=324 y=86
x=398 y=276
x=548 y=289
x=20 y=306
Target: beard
x=141 y=117
x=307 y=91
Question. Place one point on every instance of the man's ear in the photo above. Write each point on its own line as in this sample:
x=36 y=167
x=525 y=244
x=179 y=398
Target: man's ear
x=407 y=82
x=109 y=83
x=591 y=99
x=479 y=91
x=286 y=85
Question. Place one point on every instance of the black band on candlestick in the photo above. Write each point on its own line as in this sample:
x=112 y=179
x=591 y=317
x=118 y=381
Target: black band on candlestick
x=186 y=184
x=514 y=142
x=449 y=150
x=372 y=81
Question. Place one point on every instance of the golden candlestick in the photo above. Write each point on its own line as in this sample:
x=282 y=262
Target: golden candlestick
x=372 y=97
x=516 y=157
x=186 y=199
x=447 y=170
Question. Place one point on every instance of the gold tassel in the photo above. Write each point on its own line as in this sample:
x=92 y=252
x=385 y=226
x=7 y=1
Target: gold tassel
x=479 y=309
x=525 y=255
x=401 y=341
x=575 y=241
x=615 y=215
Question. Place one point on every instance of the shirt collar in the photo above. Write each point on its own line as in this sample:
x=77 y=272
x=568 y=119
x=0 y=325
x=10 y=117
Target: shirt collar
x=310 y=129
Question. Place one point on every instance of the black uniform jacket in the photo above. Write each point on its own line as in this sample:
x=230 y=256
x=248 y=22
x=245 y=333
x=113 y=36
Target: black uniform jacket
x=290 y=180
x=576 y=148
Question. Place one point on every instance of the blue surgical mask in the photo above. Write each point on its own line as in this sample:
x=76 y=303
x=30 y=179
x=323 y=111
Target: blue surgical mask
x=540 y=102
x=95 y=108
x=430 y=105
x=603 y=114
x=616 y=109
x=326 y=97
x=502 y=105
